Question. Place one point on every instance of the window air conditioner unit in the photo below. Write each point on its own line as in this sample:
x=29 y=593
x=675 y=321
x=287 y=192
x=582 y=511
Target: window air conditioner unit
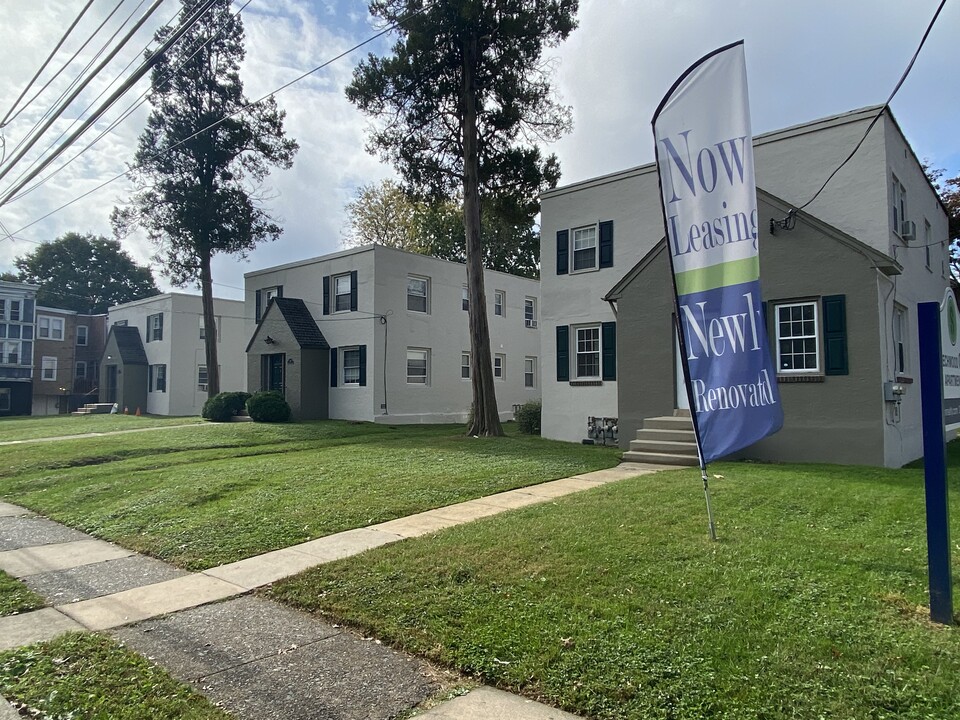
x=908 y=230
x=531 y=323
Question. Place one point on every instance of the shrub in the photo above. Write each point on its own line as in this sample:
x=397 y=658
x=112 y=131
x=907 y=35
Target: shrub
x=222 y=407
x=528 y=418
x=268 y=406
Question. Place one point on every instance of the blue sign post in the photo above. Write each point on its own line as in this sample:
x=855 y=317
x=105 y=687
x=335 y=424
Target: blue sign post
x=935 y=463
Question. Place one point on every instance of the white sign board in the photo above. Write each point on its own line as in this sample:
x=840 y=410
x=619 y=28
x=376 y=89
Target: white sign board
x=950 y=360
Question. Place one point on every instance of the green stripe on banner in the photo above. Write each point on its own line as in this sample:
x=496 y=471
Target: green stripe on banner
x=734 y=272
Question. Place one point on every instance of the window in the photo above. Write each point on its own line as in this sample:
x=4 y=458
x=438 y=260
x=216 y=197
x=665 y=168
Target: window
x=927 y=241
x=499 y=297
x=82 y=334
x=11 y=353
x=81 y=370
x=899 y=205
x=4 y=399
x=202 y=378
x=14 y=311
x=900 y=338
x=418 y=294
x=588 y=352
x=121 y=323
x=50 y=328
x=530 y=312
x=203 y=329
x=48 y=368
x=465 y=299
x=155 y=327
x=530 y=372
x=13 y=331
x=418 y=366
x=499 y=363
x=341 y=284
x=270 y=293
x=351 y=366
x=3 y=309
x=797 y=344
x=585 y=248
x=158 y=378
x=465 y=366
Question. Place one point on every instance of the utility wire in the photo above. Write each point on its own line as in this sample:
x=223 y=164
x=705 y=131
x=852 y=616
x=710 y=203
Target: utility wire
x=114 y=97
x=245 y=107
x=73 y=96
x=6 y=118
x=883 y=109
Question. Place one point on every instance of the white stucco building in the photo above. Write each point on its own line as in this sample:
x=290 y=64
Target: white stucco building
x=161 y=368
x=379 y=334
x=593 y=232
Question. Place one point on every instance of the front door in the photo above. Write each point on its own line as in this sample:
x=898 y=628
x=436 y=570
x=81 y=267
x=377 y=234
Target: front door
x=111 y=389
x=272 y=371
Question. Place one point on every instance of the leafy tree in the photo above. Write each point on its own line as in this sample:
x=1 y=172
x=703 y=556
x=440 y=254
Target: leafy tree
x=85 y=273
x=462 y=100
x=949 y=192
x=384 y=213
x=194 y=195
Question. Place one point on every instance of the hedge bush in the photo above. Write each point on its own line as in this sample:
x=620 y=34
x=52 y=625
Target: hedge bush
x=222 y=407
x=528 y=418
x=268 y=406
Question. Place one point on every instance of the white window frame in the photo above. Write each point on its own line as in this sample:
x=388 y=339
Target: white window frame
x=84 y=331
x=337 y=294
x=49 y=327
x=586 y=350
x=353 y=379
x=418 y=355
x=901 y=328
x=48 y=368
x=3 y=309
x=803 y=337
x=464 y=366
x=583 y=239
x=268 y=294
x=155 y=375
x=415 y=296
x=15 y=311
x=203 y=377
x=499 y=302
x=530 y=312
x=530 y=372
x=11 y=352
x=899 y=198
x=499 y=366
x=80 y=370
x=155 y=327
x=465 y=299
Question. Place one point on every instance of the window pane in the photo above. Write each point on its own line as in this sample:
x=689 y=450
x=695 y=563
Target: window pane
x=465 y=366
x=351 y=366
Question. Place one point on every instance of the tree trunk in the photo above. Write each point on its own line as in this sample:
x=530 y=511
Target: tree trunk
x=486 y=418
x=210 y=329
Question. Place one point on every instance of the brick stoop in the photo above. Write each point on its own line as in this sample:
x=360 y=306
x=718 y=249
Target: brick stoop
x=667 y=440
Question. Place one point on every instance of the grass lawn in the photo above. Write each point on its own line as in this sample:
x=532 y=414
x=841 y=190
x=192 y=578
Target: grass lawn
x=202 y=497
x=613 y=603
x=90 y=676
x=31 y=428
x=15 y=597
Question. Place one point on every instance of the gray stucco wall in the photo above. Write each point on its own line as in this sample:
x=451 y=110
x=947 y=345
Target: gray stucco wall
x=837 y=420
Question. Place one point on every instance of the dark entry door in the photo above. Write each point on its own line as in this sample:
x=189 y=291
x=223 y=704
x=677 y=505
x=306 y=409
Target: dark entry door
x=111 y=389
x=272 y=370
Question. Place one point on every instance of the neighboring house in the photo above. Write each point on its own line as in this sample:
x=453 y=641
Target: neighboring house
x=155 y=361
x=67 y=352
x=382 y=335
x=17 y=302
x=875 y=237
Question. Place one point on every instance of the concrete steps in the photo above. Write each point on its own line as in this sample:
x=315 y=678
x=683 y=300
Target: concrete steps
x=667 y=440
x=94 y=409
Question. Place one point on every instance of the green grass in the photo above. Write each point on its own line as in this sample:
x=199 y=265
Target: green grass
x=15 y=597
x=90 y=676
x=32 y=428
x=202 y=497
x=613 y=603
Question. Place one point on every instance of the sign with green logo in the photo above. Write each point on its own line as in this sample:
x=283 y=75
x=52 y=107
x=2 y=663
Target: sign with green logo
x=950 y=361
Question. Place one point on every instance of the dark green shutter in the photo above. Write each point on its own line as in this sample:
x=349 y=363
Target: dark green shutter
x=835 y=335
x=563 y=352
x=326 y=294
x=353 y=290
x=333 y=367
x=563 y=251
x=259 y=306
x=363 y=365
x=606 y=244
x=608 y=340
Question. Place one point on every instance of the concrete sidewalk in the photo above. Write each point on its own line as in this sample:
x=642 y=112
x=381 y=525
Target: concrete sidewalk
x=252 y=656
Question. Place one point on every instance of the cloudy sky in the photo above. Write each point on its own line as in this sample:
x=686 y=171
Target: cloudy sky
x=805 y=60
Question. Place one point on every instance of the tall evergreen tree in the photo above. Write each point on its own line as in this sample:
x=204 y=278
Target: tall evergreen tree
x=85 y=273
x=193 y=185
x=461 y=101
